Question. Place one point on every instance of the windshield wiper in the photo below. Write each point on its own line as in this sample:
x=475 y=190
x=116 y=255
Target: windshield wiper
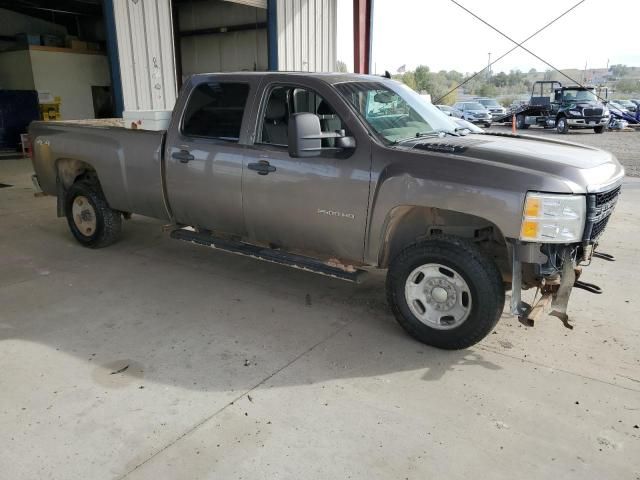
x=437 y=133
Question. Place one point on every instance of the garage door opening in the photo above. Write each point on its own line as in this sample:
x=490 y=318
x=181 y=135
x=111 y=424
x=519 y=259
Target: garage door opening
x=220 y=36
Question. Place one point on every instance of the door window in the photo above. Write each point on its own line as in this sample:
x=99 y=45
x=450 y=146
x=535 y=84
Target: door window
x=285 y=101
x=215 y=110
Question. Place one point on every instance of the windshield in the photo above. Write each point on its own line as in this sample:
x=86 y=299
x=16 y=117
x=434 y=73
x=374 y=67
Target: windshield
x=489 y=103
x=394 y=111
x=580 y=96
x=474 y=106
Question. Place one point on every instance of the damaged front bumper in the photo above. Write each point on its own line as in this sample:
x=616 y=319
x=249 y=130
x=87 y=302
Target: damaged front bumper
x=554 y=275
x=555 y=269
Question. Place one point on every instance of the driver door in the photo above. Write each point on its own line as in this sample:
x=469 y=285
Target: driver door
x=316 y=205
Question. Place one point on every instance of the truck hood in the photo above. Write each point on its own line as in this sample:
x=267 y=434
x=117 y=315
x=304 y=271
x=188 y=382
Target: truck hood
x=581 y=168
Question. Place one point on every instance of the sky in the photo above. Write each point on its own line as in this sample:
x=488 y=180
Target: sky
x=441 y=35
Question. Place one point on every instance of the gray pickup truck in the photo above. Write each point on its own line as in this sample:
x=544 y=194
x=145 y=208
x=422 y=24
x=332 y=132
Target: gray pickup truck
x=339 y=174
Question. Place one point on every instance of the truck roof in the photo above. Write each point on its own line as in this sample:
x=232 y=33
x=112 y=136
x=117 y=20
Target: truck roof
x=328 y=77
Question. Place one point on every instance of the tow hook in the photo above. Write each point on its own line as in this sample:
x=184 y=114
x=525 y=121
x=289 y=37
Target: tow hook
x=589 y=287
x=604 y=256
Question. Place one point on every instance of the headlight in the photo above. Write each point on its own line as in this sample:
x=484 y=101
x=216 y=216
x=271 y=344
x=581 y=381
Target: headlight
x=576 y=113
x=605 y=112
x=551 y=218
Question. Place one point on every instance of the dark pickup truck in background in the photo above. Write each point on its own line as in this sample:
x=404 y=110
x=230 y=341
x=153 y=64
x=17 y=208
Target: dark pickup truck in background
x=340 y=173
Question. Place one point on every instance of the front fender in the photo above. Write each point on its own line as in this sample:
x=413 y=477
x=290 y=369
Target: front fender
x=476 y=187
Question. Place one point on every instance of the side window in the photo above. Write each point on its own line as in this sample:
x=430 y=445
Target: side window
x=287 y=100
x=215 y=110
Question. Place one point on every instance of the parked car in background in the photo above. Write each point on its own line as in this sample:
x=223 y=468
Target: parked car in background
x=615 y=106
x=474 y=112
x=449 y=111
x=636 y=101
x=628 y=104
x=493 y=106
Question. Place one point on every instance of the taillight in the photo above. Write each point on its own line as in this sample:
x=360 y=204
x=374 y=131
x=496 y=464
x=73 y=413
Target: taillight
x=25 y=140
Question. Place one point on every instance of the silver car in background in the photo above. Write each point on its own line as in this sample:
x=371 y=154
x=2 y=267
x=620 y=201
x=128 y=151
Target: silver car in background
x=495 y=109
x=474 y=112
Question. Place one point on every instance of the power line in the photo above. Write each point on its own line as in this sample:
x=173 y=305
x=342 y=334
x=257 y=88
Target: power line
x=508 y=52
x=517 y=44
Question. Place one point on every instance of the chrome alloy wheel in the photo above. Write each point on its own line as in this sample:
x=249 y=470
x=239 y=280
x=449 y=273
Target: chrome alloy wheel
x=438 y=296
x=84 y=215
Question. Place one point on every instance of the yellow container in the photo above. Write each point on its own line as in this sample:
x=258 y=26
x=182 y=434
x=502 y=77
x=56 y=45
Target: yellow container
x=51 y=111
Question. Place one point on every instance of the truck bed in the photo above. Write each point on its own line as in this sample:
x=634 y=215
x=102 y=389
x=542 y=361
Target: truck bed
x=60 y=148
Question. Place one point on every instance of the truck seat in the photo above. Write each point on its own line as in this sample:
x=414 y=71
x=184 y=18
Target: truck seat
x=275 y=130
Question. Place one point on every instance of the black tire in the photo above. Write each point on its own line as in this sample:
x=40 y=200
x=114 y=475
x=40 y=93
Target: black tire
x=599 y=129
x=521 y=123
x=561 y=125
x=487 y=125
x=108 y=222
x=478 y=271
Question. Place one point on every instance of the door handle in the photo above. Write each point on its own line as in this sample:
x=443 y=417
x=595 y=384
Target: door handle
x=183 y=156
x=262 y=167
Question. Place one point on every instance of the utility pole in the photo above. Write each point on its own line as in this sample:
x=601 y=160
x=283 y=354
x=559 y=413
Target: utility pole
x=489 y=67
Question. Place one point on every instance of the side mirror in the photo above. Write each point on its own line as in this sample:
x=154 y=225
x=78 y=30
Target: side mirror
x=305 y=136
x=346 y=143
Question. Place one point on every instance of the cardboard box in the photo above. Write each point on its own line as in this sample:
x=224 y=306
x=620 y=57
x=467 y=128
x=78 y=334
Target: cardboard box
x=78 y=44
x=52 y=41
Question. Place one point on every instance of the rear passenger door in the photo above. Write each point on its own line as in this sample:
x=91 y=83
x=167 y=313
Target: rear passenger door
x=204 y=155
x=316 y=205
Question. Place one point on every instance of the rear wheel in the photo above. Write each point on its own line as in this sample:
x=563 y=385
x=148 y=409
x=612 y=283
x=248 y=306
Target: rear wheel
x=91 y=221
x=445 y=292
x=599 y=129
x=561 y=125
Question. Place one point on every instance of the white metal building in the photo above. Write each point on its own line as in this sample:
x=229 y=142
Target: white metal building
x=161 y=42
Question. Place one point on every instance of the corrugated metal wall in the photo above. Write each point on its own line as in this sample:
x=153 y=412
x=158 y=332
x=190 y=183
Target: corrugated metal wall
x=145 y=47
x=306 y=35
x=306 y=38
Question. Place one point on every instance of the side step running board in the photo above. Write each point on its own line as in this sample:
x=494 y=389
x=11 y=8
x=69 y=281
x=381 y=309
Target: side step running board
x=268 y=255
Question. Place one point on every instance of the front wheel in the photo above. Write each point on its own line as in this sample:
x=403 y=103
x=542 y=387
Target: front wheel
x=445 y=292
x=91 y=221
x=561 y=125
x=599 y=129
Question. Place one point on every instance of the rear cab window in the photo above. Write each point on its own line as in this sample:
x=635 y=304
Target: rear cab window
x=216 y=110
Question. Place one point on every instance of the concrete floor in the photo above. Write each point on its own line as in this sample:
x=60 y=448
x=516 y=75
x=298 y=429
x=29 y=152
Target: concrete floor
x=242 y=369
